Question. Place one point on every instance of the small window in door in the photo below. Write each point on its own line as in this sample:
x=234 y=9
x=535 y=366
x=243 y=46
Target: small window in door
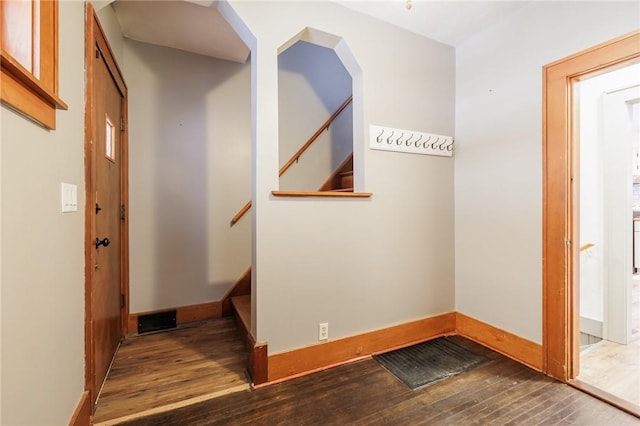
x=110 y=140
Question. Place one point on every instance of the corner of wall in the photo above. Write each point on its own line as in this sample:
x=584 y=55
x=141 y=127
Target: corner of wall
x=515 y=347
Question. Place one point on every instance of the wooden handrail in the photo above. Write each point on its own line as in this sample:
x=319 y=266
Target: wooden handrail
x=586 y=246
x=298 y=154
x=312 y=139
x=241 y=213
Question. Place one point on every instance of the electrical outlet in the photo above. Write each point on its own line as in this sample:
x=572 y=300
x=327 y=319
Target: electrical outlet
x=323 y=331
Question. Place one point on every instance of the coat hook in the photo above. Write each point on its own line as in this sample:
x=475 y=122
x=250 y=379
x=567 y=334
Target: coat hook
x=450 y=146
x=416 y=142
x=433 y=145
x=379 y=137
x=398 y=140
x=389 y=141
x=408 y=139
x=426 y=143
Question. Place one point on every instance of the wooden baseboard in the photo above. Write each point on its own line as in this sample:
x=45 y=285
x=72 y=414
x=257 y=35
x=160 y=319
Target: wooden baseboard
x=266 y=369
x=82 y=414
x=515 y=347
x=184 y=314
x=257 y=363
x=312 y=358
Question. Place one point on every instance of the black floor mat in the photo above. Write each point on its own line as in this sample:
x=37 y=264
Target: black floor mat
x=426 y=363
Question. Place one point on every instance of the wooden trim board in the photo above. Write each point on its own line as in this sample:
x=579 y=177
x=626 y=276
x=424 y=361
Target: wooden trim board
x=258 y=361
x=88 y=214
x=82 y=414
x=184 y=314
x=265 y=369
x=322 y=194
x=515 y=347
x=314 y=358
x=311 y=358
x=173 y=406
x=610 y=399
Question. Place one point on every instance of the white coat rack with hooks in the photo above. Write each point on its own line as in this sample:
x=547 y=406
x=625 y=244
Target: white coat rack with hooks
x=410 y=141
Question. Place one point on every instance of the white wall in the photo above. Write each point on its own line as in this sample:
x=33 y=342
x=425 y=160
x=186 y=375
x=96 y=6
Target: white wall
x=312 y=84
x=190 y=152
x=498 y=189
x=43 y=250
x=359 y=265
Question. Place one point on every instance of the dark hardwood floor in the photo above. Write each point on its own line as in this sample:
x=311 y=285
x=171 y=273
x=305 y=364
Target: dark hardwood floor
x=157 y=371
x=498 y=392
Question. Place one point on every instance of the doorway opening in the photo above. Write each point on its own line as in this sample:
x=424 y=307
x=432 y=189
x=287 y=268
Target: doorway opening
x=608 y=120
x=561 y=209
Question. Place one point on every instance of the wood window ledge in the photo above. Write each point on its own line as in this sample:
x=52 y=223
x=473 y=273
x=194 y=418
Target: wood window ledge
x=23 y=92
x=329 y=194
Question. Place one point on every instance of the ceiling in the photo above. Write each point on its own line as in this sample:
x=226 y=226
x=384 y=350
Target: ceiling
x=197 y=26
x=449 y=22
x=185 y=25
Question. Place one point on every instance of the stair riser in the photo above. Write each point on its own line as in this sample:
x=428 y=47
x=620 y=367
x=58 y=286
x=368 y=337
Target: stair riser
x=347 y=181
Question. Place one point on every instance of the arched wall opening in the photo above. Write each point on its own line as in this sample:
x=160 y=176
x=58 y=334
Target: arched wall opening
x=317 y=76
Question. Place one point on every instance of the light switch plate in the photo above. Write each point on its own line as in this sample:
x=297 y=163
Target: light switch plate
x=69 y=197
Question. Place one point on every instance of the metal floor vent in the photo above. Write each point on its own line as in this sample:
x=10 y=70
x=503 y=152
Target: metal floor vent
x=156 y=322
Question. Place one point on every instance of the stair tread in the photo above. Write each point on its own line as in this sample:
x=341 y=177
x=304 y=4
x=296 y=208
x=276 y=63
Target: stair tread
x=242 y=305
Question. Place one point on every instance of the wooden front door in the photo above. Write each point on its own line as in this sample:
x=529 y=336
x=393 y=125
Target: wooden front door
x=106 y=290
x=106 y=253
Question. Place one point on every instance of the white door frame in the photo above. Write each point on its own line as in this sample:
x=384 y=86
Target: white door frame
x=617 y=214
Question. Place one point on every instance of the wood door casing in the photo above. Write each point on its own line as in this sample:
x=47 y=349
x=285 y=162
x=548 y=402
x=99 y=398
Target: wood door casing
x=560 y=236
x=104 y=323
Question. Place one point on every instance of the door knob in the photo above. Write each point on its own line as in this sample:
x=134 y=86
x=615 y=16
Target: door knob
x=100 y=242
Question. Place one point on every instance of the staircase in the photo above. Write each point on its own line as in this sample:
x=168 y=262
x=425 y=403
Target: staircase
x=242 y=312
x=341 y=180
x=237 y=301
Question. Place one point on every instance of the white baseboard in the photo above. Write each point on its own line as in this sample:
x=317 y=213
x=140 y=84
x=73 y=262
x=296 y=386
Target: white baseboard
x=591 y=326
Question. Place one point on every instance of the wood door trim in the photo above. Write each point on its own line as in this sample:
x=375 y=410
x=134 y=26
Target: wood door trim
x=95 y=35
x=82 y=414
x=560 y=238
x=89 y=258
